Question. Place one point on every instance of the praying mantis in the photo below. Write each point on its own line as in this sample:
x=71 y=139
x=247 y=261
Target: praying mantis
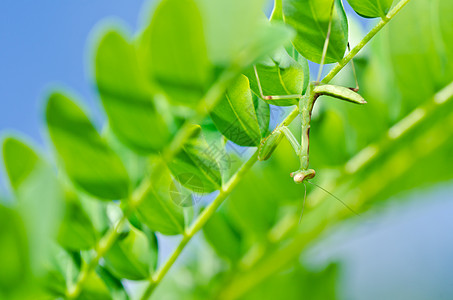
x=305 y=103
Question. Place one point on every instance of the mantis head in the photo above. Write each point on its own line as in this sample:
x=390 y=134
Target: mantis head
x=301 y=175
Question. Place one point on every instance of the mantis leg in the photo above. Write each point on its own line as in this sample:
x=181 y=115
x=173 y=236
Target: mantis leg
x=356 y=89
x=291 y=138
x=264 y=97
x=326 y=42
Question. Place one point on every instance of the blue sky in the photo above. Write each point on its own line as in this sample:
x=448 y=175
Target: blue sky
x=44 y=43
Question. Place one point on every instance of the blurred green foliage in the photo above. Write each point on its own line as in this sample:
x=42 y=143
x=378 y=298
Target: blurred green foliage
x=181 y=97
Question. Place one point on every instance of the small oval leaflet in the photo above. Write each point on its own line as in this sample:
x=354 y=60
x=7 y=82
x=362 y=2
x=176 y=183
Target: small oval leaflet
x=88 y=160
x=371 y=8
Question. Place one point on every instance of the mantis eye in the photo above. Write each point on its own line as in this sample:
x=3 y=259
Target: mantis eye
x=300 y=176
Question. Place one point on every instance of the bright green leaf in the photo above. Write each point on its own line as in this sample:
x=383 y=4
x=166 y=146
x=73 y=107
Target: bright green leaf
x=158 y=210
x=130 y=257
x=76 y=230
x=19 y=161
x=127 y=96
x=229 y=26
x=87 y=159
x=174 y=53
x=94 y=289
x=445 y=15
x=196 y=167
x=310 y=19
x=235 y=116
x=419 y=67
x=279 y=75
x=14 y=259
x=223 y=237
x=263 y=114
x=268 y=40
x=39 y=196
x=371 y=8
x=115 y=286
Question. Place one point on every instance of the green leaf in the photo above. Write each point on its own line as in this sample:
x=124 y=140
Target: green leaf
x=39 y=196
x=297 y=281
x=174 y=53
x=235 y=116
x=19 y=159
x=115 y=286
x=371 y=8
x=127 y=96
x=253 y=205
x=87 y=159
x=223 y=237
x=310 y=19
x=279 y=75
x=137 y=165
x=14 y=257
x=195 y=166
x=263 y=114
x=269 y=39
x=76 y=230
x=419 y=63
x=94 y=289
x=229 y=26
x=158 y=209
x=131 y=256
x=97 y=212
x=28 y=173
x=445 y=13
x=63 y=269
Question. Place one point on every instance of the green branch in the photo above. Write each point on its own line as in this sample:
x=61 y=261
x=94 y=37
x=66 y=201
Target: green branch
x=199 y=223
x=364 y=41
x=210 y=210
x=202 y=110
x=271 y=264
x=206 y=104
x=207 y=214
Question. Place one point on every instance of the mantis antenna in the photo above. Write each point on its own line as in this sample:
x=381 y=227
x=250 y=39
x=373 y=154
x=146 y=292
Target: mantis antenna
x=303 y=203
x=305 y=105
x=329 y=193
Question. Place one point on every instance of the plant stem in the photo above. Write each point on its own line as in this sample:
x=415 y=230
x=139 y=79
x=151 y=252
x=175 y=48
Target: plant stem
x=293 y=114
x=365 y=40
x=206 y=104
x=207 y=214
x=201 y=111
x=199 y=223
x=282 y=257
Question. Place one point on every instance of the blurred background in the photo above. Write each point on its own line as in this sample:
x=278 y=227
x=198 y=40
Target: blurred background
x=400 y=249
